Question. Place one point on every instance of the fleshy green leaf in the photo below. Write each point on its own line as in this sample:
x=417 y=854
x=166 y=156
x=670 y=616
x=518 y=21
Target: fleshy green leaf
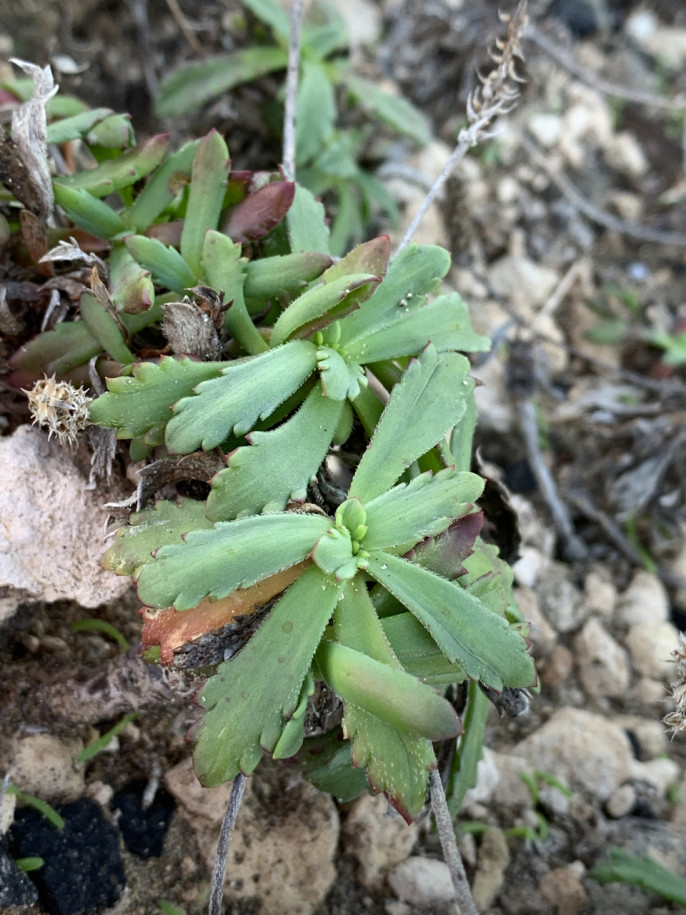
x=131 y=287
x=191 y=85
x=104 y=328
x=428 y=400
x=397 y=763
x=443 y=322
x=306 y=221
x=165 y=264
x=53 y=352
x=87 y=212
x=323 y=304
x=388 y=693
x=463 y=772
x=286 y=274
x=162 y=187
x=394 y=110
x=224 y=270
x=252 y=695
x=316 y=108
x=411 y=276
x=235 y=554
x=151 y=529
x=644 y=872
x=76 y=126
x=417 y=652
x=363 y=670
x=206 y=195
x=272 y=14
x=468 y=633
x=424 y=507
x=369 y=257
x=327 y=763
x=122 y=171
x=277 y=465
x=247 y=390
x=114 y=132
x=135 y=405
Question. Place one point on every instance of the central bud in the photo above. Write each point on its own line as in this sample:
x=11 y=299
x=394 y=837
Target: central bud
x=339 y=552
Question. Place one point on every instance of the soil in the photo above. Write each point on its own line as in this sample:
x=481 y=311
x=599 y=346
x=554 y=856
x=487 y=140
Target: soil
x=573 y=304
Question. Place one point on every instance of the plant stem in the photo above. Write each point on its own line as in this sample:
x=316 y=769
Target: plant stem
x=292 y=92
x=451 y=852
x=229 y=821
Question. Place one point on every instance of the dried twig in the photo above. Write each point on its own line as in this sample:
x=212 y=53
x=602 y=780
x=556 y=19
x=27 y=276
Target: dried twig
x=292 y=92
x=497 y=94
x=187 y=32
x=594 y=213
x=228 y=823
x=594 y=80
x=573 y=548
x=451 y=853
x=139 y=11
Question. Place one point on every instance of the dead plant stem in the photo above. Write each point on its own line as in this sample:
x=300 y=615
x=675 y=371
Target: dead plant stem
x=451 y=853
x=228 y=823
x=290 y=112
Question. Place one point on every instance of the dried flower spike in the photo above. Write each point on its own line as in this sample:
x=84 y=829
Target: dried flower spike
x=676 y=720
x=59 y=407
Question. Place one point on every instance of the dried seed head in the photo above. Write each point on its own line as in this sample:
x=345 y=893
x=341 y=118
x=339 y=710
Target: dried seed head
x=59 y=407
x=676 y=720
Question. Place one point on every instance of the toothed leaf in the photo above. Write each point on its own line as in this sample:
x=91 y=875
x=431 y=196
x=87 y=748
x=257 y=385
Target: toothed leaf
x=150 y=529
x=122 y=171
x=87 y=212
x=165 y=264
x=246 y=391
x=136 y=405
x=278 y=465
x=428 y=400
x=251 y=696
x=235 y=554
x=424 y=507
x=466 y=630
x=162 y=187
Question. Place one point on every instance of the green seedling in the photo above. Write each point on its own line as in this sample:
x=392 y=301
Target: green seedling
x=104 y=628
x=621 y=867
x=50 y=814
x=102 y=743
x=30 y=864
x=328 y=157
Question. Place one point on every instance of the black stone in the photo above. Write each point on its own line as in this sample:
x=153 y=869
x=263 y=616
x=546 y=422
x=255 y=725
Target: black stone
x=143 y=831
x=15 y=886
x=83 y=869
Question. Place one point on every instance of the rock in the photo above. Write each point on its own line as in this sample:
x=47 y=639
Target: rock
x=600 y=593
x=51 y=538
x=525 y=283
x=9 y=803
x=546 y=128
x=648 y=733
x=621 y=801
x=421 y=881
x=541 y=634
x=604 y=668
x=511 y=791
x=558 y=667
x=494 y=856
x=563 y=888
x=487 y=778
x=362 y=21
x=585 y=751
x=559 y=601
x=377 y=841
x=527 y=568
x=206 y=803
x=651 y=646
x=661 y=773
x=644 y=601
x=624 y=154
x=46 y=766
x=283 y=848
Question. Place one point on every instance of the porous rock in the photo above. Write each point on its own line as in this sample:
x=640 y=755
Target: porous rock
x=51 y=538
x=644 y=601
x=377 y=841
x=604 y=668
x=46 y=766
x=421 y=881
x=586 y=751
x=651 y=646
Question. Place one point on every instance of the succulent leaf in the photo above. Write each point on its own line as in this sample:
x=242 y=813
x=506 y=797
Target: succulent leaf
x=247 y=389
x=205 y=197
x=250 y=698
x=234 y=554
